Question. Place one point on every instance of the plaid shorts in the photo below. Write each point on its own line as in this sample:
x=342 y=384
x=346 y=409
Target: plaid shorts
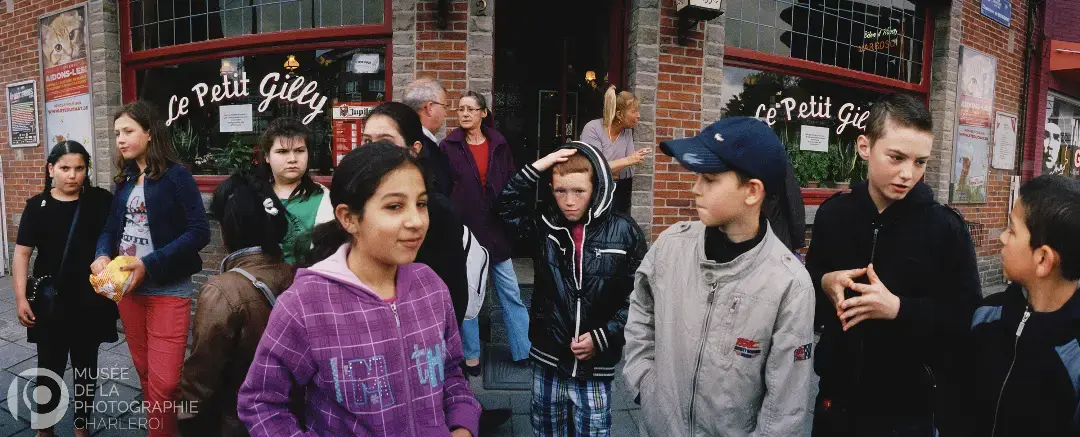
x=555 y=395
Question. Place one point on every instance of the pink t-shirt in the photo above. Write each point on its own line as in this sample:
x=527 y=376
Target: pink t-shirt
x=578 y=232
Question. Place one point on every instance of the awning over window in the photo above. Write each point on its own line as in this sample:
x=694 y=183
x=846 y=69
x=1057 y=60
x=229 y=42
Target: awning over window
x=1065 y=59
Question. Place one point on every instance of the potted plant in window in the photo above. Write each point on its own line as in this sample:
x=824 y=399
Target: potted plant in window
x=233 y=157
x=811 y=168
x=186 y=143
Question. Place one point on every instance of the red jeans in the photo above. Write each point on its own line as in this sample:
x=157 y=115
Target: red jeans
x=157 y=328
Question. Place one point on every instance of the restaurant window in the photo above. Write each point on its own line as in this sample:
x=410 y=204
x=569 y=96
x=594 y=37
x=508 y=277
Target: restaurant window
x=1060 y=154
x=880 y=37
x=225 y=115
x=158 y=23
x=818 y=122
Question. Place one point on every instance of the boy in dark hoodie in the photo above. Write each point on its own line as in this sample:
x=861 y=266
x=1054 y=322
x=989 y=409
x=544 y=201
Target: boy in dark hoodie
x=1027 y=358
x=586 y=258
x=896 y=281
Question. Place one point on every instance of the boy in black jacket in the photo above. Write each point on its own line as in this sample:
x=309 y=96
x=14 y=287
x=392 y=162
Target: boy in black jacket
x=587 y=255
x=897 y=281
x=1027 y=360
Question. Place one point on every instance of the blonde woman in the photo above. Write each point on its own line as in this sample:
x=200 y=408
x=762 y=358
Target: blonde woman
x=614 y=136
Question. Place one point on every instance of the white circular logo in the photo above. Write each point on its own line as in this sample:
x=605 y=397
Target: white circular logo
x=32 y=396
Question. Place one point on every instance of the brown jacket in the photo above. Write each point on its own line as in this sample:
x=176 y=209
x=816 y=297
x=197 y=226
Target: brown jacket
x=229 y=321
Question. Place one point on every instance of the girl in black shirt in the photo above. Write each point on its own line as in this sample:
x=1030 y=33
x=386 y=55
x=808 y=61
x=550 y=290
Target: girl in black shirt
x=83 y=319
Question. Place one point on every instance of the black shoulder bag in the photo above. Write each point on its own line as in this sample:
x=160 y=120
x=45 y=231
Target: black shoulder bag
x=41 y=291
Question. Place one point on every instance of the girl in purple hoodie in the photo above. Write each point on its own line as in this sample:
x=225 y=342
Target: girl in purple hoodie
x=368 y=336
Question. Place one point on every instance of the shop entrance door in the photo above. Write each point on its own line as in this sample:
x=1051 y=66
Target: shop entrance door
x=553 y=61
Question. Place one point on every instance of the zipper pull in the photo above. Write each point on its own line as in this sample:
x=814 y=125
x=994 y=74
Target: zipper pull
x=597 y=252
x=1019 y=329
x=873 y=245
x=712 y=293
x=393 y=307
x=734 y=305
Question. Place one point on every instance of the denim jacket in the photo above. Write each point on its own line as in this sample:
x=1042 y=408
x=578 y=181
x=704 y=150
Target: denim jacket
x=178 y=225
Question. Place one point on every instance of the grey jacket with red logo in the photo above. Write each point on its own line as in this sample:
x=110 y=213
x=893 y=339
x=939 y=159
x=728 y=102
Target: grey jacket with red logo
x=721 y=349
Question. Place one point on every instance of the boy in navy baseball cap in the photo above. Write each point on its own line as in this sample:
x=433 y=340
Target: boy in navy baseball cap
x=729 y=278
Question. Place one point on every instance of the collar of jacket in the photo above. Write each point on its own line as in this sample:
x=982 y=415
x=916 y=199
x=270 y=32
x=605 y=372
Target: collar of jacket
x=603 y=190
x=252 y=256
x=920 y=196
x=457 y=137
x=737 y=268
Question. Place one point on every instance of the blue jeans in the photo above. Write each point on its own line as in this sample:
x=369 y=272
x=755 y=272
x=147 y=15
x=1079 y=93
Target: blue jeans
x=515 y=315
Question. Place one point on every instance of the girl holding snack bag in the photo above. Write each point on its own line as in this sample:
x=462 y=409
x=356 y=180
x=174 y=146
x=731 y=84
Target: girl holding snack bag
x=157 y=217
x=62 y=223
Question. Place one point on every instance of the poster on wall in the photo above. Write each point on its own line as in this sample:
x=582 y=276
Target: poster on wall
x=22 y=114
x=977 y=79
x=1004 y=141
x=1060 y=154
x=970 y=166
x=348 y=128
x=65 y=70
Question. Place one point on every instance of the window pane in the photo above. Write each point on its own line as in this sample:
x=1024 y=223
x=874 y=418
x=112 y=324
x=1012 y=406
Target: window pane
x=835 y=32
x=828 y=109
x=343 y=75
x=184 y=21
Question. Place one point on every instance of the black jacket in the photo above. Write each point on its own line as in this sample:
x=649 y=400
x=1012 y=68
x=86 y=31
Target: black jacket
x=568 y=302
x=923 y=253
x=438 y=167
x=443 y=252
x=1039 y=396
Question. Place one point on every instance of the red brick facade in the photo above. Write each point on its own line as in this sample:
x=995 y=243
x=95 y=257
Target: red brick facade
x=987 y=36
x=24 y=168
x=441 y=54
x=678 y=114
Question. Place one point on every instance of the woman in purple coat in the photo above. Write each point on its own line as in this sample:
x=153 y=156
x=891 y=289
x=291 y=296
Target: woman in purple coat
x=481 y=163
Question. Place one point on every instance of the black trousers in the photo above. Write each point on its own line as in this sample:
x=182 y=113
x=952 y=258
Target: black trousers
x=623 y=189
x=53 y=355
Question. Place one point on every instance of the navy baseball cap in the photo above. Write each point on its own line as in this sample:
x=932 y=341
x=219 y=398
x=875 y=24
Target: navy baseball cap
x=735 y=143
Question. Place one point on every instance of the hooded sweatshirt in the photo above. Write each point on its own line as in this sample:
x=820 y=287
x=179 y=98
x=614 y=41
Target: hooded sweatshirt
x=368 y=367
x=585 y=270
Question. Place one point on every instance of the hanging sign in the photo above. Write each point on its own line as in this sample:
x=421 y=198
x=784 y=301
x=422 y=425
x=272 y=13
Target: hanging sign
x=290 y=88
x=22 y=114
x=348 y=127
x=65 y=66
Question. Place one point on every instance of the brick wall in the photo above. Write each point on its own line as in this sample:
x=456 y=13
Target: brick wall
x=442 y=54
x=678 y=115
x=1007 y=45
x=24 y=168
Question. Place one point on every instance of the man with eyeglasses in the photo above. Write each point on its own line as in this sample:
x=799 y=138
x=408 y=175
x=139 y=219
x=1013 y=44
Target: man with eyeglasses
x=427 y=97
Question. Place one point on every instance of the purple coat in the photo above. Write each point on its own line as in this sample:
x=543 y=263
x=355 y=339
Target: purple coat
x=369 y=368
x=475 y=203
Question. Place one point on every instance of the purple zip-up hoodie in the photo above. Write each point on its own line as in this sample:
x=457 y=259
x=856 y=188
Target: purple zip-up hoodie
x=368 y=367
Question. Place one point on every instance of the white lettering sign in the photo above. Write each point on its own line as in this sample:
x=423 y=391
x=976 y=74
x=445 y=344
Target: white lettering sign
x=292 y=89
x=817 y=108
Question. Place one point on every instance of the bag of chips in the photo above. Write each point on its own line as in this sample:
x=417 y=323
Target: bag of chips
x=112 y=282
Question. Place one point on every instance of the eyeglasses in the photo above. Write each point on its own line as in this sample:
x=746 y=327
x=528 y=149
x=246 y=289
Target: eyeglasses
x=440 y=104
x=464 y=109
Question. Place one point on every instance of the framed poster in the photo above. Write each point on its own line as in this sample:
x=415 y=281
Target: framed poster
x=22 y=114
x=977 y=82
x=1004 y=141
x=64 y=53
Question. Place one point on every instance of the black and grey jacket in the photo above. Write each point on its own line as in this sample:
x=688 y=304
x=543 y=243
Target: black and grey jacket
x=1026 y=367
x=568 y=301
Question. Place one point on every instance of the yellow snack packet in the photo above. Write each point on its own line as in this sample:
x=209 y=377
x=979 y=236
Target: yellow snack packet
x=112 y=282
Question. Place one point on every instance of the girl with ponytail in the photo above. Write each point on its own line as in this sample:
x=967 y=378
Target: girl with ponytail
x=80 y=319
x=365 y=333
x=614 y=136
x=234 y=306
